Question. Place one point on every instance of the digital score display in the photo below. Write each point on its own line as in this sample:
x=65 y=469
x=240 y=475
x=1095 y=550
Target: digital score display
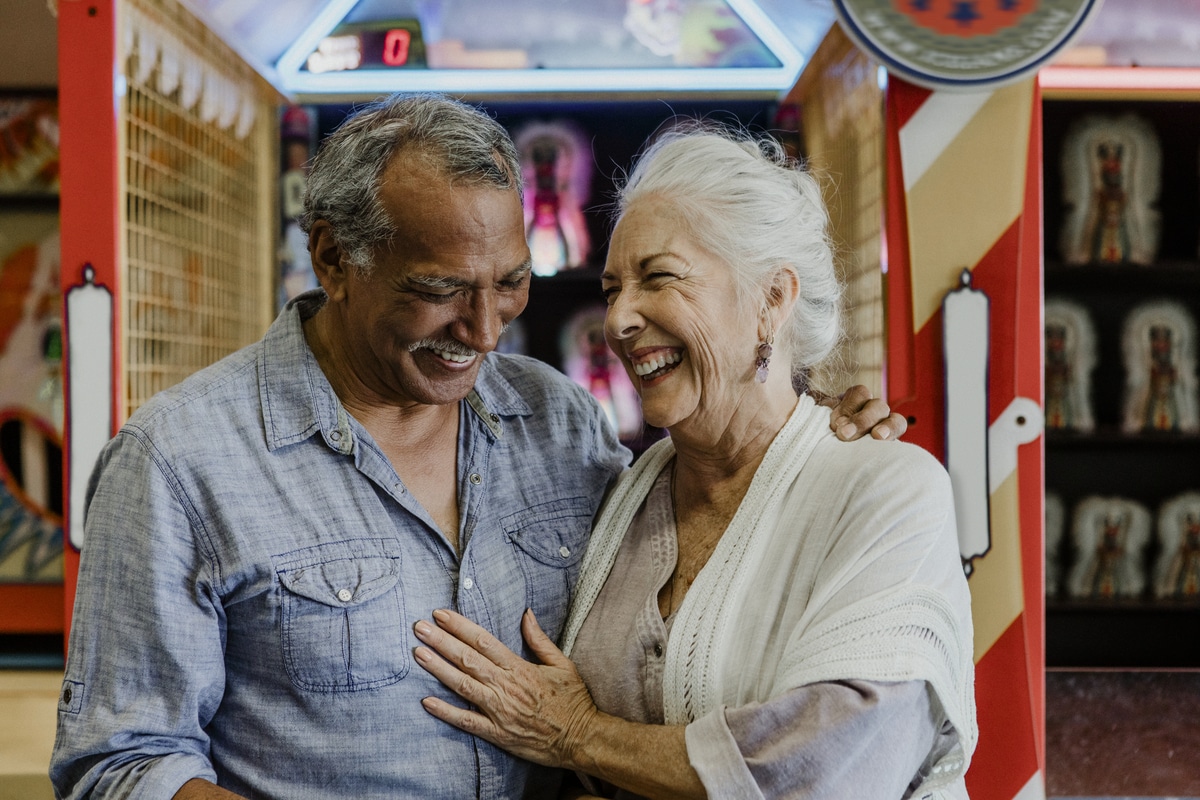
x=395 y=44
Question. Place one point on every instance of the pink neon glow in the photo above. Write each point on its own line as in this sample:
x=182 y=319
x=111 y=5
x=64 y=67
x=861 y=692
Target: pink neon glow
x=1120 y=78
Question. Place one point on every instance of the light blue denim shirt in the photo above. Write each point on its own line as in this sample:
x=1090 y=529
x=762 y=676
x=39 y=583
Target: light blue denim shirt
x=252 y=568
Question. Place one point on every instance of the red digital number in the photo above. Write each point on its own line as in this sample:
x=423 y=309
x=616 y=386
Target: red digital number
x=395 y=47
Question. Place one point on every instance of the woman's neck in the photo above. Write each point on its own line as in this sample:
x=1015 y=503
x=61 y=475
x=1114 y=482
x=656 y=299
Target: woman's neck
x=715 y=459
x=713 y=469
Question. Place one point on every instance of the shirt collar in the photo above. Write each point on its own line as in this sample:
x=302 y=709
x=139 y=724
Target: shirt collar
x=494 y=396
x=298 y=400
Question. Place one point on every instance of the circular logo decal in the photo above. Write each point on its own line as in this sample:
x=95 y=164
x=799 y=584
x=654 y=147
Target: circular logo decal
x=964 y=44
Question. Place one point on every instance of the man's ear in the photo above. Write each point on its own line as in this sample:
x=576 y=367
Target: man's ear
x=326 y=256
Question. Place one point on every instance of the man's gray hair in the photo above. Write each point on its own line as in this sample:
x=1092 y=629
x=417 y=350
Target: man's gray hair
x=458 y=140
x=746 y=202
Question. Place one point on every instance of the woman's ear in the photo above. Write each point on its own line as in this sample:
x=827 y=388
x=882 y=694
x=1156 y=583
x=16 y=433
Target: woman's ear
x=782 y=293
x=327 y=259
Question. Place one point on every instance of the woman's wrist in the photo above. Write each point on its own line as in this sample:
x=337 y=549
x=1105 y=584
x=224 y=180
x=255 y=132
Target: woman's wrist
x=580 y=738
x=614 y=750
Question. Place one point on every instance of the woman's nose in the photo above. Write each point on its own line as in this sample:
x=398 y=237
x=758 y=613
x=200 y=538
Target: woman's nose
x=623 y=319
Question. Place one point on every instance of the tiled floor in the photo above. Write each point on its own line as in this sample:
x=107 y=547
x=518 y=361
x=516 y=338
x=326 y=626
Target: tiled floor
x=28 y=703
x=1121 y=734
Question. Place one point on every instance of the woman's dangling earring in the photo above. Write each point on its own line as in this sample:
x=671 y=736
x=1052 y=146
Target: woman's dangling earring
x=762 y=364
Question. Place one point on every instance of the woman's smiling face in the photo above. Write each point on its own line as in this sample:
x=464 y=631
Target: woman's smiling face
x=675 y=319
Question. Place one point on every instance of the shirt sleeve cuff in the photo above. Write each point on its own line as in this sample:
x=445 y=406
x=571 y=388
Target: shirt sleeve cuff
x=714 y=754
x=163 y=777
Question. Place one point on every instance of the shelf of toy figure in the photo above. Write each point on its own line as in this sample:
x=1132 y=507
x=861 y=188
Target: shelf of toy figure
x=1122 y=358
x=1105 y=279
x=1122 y=297
x=1122 y=574
x=1110 y=437
x=1122 y=634
x=1120 y=188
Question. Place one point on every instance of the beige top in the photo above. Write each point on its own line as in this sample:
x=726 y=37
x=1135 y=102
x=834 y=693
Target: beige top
x=832 y=739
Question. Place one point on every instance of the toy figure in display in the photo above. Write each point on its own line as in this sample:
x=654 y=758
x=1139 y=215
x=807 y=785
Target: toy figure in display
x=1070 y=358
x=1054 y=538
x=1109 y=537
x=589 y=362
x=557 y=159
x=1177 y=574
x=1111 y=184
x=1160 y=369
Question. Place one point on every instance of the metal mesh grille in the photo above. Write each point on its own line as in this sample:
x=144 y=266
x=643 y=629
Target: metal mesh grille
x=197 y=208
x=844 y=135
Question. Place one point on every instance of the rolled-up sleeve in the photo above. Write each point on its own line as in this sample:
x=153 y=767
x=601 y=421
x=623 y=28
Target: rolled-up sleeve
x=144 y=669
x=826 y=740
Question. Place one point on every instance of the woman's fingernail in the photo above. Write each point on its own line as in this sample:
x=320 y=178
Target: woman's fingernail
x=846 y=431
x=423 y=628
x=440 y=615
x=422 y=654
x=883 y=434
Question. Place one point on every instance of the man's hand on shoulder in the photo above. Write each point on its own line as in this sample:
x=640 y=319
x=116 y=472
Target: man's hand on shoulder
x=856 y=413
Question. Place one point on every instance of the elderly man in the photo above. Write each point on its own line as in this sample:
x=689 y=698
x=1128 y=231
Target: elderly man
x=262 y=537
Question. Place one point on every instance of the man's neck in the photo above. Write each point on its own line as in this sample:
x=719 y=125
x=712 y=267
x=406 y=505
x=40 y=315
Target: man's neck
x=419 y=440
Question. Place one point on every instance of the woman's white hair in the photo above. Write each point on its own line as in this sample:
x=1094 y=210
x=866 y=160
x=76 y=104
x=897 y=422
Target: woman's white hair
x=746 y=202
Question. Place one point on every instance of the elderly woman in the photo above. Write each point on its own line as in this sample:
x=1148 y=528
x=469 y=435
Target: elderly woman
x=763 y=611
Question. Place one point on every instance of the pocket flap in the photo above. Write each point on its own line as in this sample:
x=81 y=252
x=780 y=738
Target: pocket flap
x=343 y=582
x=553 y=533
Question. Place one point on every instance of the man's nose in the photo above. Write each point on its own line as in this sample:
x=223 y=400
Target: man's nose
x=481 y=324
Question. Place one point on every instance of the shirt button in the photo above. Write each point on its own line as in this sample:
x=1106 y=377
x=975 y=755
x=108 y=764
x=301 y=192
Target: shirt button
x=657 y=650
x=468 y=583
x=495 y=417
x=564 y=551
x=475 y=478
x=66 y=696
x=335 y=436
x=344 y=595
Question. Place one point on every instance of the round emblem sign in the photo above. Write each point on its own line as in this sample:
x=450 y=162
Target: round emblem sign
x=964 y=44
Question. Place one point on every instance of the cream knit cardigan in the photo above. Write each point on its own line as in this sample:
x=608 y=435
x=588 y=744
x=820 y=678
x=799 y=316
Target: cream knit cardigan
x=841 y=563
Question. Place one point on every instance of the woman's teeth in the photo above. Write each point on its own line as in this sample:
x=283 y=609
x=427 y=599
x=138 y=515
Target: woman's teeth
x=644 y=368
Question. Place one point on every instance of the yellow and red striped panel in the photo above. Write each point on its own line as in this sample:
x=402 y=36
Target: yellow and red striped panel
x=964 y=193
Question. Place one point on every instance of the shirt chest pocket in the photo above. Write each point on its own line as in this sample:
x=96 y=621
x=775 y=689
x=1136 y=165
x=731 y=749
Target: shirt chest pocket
x=549 y=540
x=342 y=613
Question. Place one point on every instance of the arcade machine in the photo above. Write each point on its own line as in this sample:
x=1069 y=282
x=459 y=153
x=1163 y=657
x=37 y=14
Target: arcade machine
x=949 y=326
